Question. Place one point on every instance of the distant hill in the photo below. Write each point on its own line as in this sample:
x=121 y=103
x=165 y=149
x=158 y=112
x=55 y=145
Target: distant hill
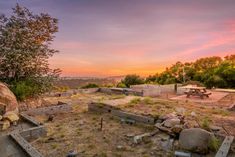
x=76 y=82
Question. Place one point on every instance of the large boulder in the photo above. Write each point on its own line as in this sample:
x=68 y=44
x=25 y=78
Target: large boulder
x=195 y=140
x=8 y=100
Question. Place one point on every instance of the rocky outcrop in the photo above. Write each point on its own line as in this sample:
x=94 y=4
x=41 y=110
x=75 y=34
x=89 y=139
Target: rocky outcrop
x=8 y=100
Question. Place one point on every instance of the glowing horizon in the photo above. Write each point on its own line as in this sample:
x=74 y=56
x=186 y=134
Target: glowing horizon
x=112 y=38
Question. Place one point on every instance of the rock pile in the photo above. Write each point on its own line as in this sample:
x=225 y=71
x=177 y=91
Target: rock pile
x=195 y=140
x=171 y=123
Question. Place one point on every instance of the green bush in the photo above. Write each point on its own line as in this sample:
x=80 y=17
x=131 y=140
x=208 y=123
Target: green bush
x=148 y=101
x=214 y=144
x=121 y=85
x=90 y=85
x=135 y=101
x=132 y=80
x=197 y=83
x=206 y=122
x=215 y=81
x=25 y=89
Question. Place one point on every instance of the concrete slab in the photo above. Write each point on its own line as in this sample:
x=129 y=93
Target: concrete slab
x=214 y=97
x=9 y=148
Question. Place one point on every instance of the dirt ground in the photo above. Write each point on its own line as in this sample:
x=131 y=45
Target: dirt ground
x=80 y=130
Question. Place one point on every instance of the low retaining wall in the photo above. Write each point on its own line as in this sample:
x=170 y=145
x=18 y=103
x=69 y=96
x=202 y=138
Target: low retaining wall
x=27 y=147
x=105 y=108
x=63 y=108
x=126 y=91
x=29 y=119
x=22 y=138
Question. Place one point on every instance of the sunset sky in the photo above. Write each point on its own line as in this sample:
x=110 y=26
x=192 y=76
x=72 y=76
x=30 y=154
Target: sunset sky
x=117 y=37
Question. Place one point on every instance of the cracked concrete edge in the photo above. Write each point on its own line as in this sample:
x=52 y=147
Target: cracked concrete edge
x=25 y=145
x=29 y=119
x=106 y=108
x=35 y=132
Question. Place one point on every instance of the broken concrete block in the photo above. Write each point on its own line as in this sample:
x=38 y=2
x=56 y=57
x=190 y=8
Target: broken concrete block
x=177 y=129
x=128 y=121
x=141 y=138
x=182 y=154
x=167 y=116
x=72 y=153
x=215 y=128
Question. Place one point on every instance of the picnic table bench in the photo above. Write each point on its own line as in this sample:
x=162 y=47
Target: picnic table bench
x=197 y=91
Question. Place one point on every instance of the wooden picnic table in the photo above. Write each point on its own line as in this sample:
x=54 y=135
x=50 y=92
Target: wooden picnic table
x=197 y=91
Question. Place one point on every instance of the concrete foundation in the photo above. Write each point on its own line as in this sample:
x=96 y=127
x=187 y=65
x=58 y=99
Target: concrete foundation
x=64 y=108
x=33 y=133
x=31 y=151
x=105 y=108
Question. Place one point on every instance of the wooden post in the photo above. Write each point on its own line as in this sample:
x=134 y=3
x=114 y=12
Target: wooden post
x=101 y=123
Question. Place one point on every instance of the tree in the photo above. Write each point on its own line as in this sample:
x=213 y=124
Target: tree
x=132 y=80
x=207 y=63
x=25 y=40
x=151 y=78
x=210 y=71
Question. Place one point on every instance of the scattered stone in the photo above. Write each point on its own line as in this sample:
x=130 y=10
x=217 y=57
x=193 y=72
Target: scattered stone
x=144 y=137
x=11 y=116
x=159 y=121
x=168 y=144
x=171 y=122
x=180 y=110
x=5 y=124
x=195 y=140
x=72 y=153
x=177 y=129
x=164 y=137
x=167 y=116
x=193 y=114
x=176 y=144
x=81 y=122
x=215 y=128
x=165 y=129
x=15 y=123
x=182 y=154
x=130 y=135
x=120 y=147
x=128 y=121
